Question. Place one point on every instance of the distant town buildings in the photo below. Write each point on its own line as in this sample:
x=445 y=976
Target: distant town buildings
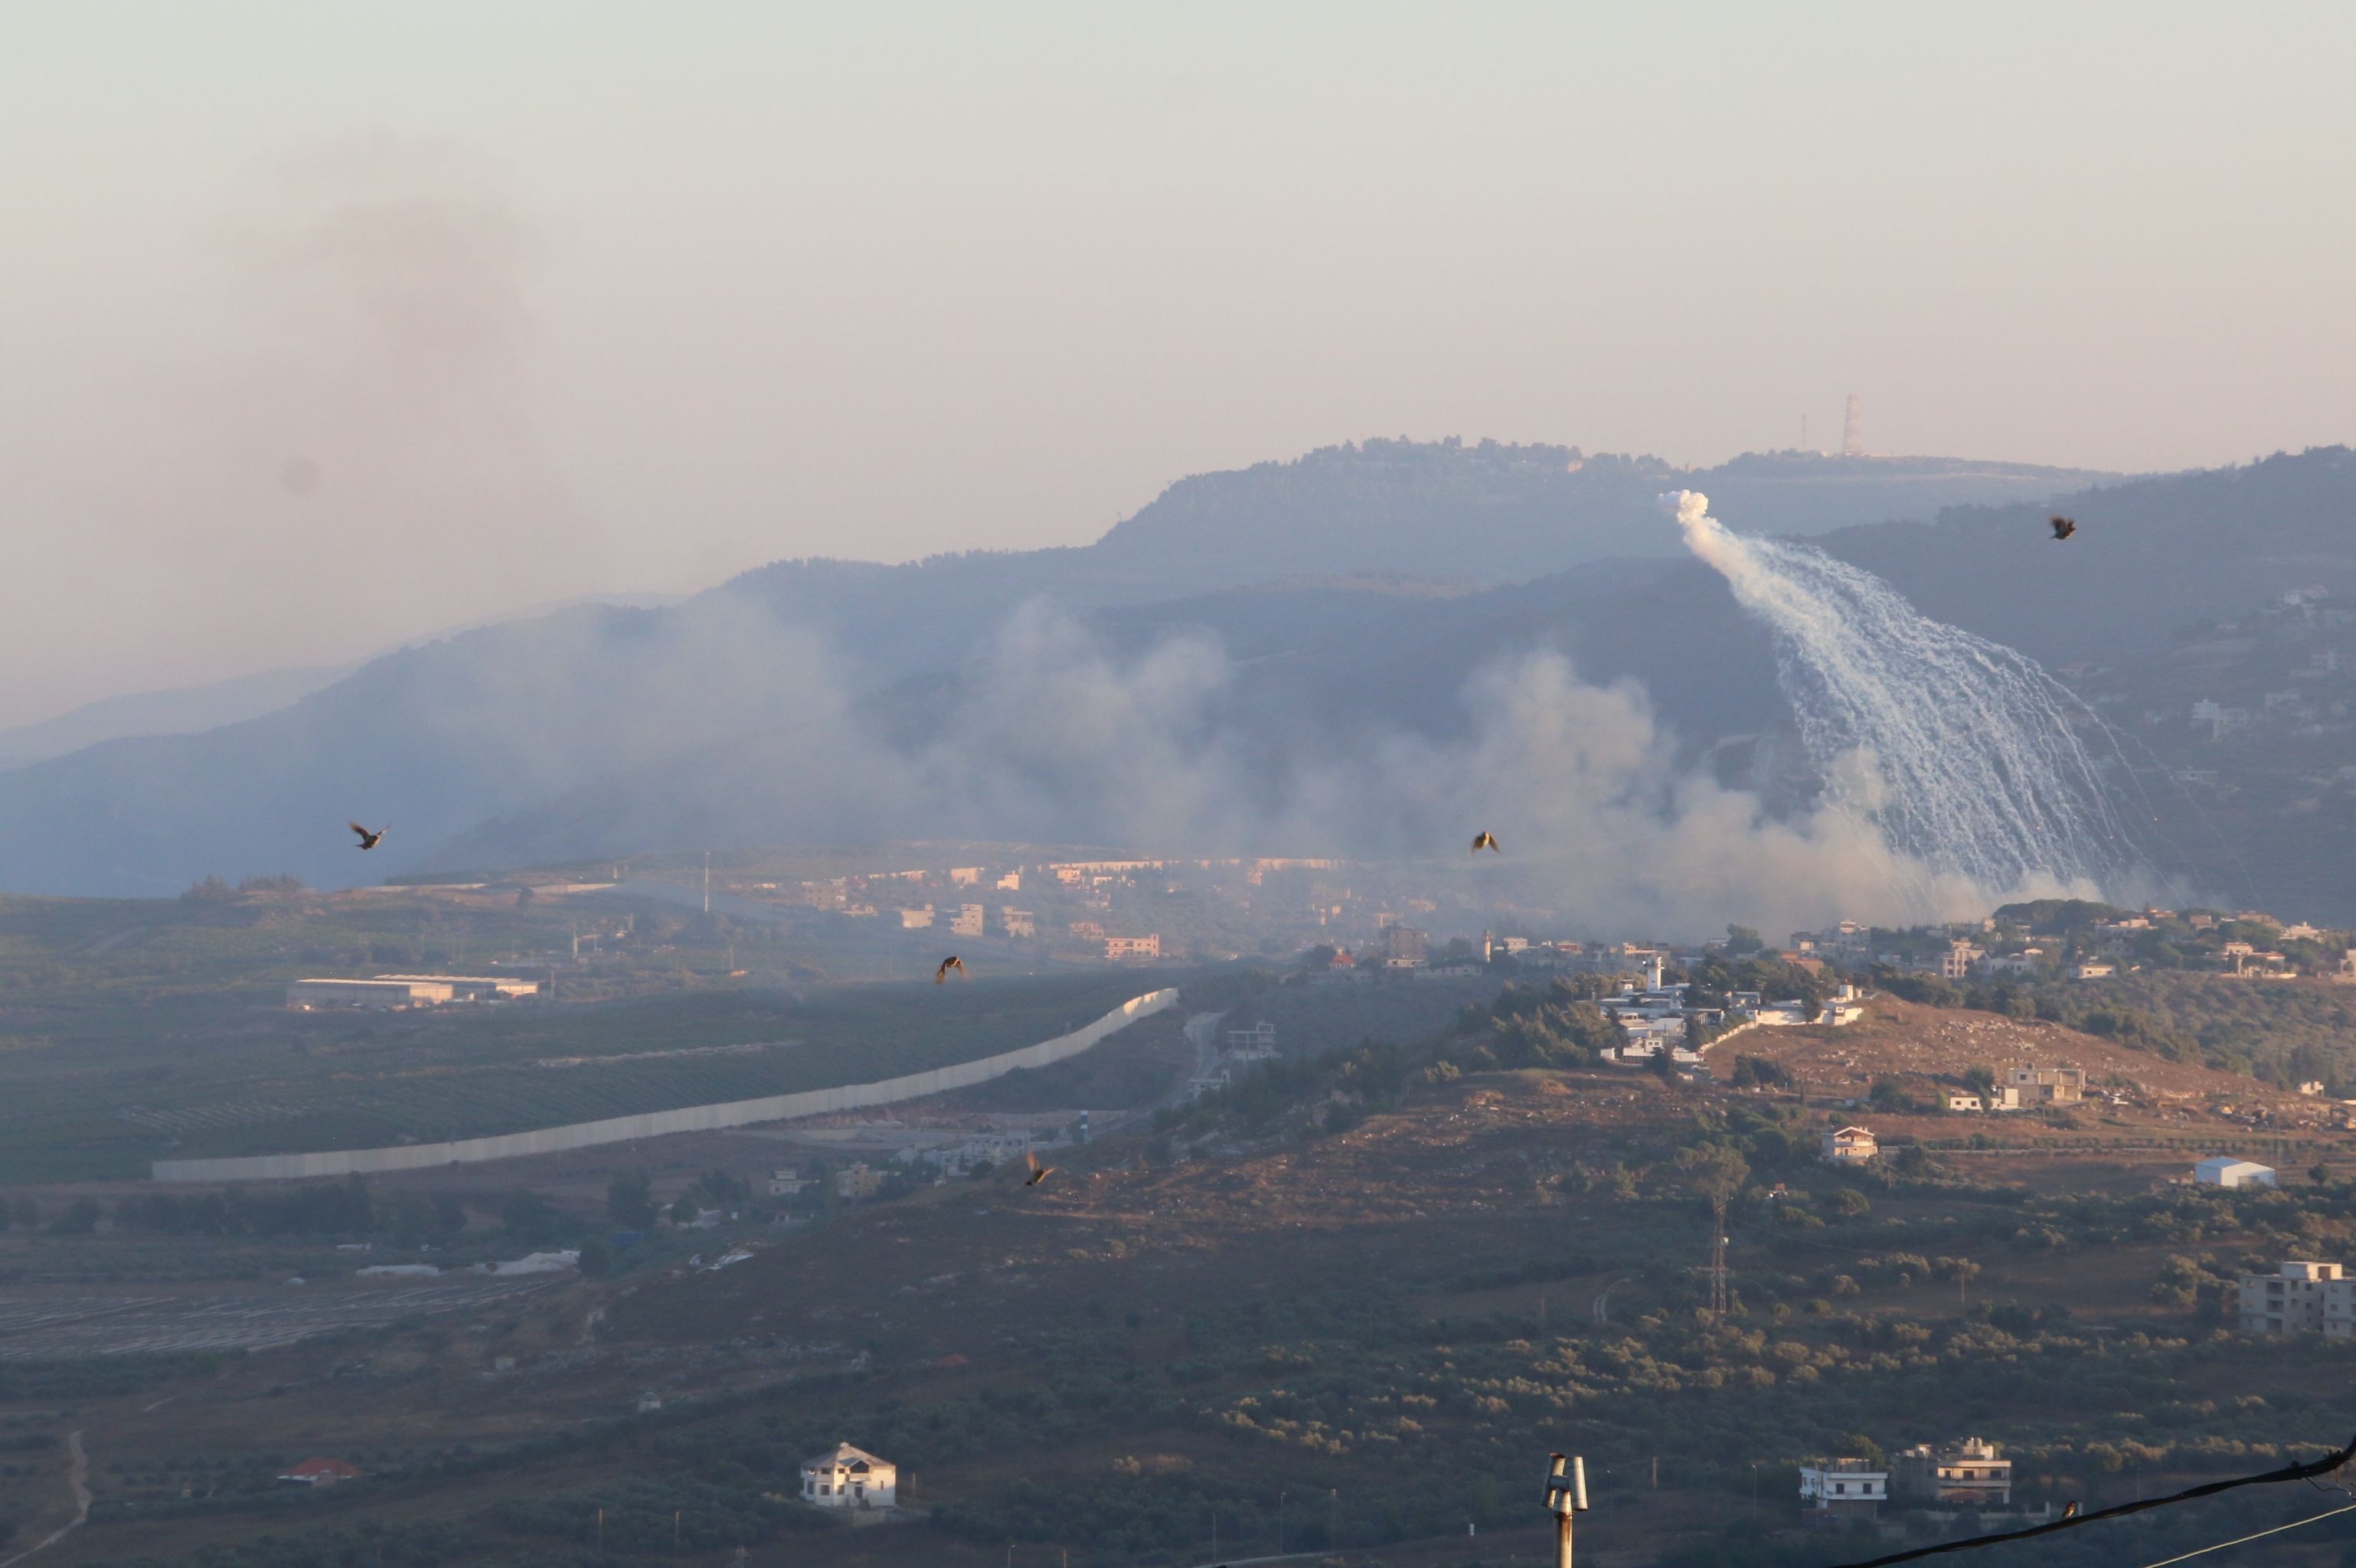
x=967 y=919
x=2225 y=1170
x=787 y=1183
x=2300 y=1298
x=915 y=919
x=856 y=1181
x=1405 y=947
x=1118 y=947
x=1018 y=924
x=1832 y=1490
x=852 y=1478
x=1849 y=1146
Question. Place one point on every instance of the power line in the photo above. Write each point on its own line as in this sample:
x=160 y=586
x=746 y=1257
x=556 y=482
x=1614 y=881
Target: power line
x=2308 y=1471
x=2204 y=1550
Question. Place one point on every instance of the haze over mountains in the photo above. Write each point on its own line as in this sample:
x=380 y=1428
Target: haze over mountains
x=1359 y=652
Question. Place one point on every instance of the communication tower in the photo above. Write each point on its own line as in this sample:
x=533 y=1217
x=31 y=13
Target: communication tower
x=1853 y=432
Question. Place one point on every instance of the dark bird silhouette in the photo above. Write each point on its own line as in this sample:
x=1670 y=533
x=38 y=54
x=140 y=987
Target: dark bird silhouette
x=2063 y=527
x=1039 y=1173
x=1484 y=841
x=370 y=840
x=948 y=963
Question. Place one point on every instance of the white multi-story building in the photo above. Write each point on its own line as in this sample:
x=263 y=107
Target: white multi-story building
x=850 y=1477
x=2300 y=1298
x=2026 y=1086
x=1832 y=1487
x=1849 y=1146
x=1968 y=1472
x=966 y=922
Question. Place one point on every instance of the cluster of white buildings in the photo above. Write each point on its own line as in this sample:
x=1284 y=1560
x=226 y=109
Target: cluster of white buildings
x=1970 y=1474
x=1657 y=1017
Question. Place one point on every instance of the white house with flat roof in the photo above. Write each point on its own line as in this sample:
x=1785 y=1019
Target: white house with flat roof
x=850 y=1477
x=1831 y=1489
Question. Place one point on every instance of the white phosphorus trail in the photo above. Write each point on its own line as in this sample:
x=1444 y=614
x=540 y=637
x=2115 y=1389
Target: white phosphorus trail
x=1961 y=750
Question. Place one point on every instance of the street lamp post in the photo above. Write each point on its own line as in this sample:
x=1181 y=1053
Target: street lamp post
x=1566 y=1494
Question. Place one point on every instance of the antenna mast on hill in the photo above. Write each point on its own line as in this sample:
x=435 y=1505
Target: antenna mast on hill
x=1853 y=432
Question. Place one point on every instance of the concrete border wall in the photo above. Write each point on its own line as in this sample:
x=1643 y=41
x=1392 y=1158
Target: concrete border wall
x=656 y=1124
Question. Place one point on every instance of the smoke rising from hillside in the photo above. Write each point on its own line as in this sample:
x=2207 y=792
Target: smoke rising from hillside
x=1051 y=736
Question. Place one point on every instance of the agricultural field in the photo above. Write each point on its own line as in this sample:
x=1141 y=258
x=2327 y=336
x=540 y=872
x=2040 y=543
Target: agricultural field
x=135 y=1032
x=1347 y=1307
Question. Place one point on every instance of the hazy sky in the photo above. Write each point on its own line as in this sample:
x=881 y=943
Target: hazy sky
x=322 y=325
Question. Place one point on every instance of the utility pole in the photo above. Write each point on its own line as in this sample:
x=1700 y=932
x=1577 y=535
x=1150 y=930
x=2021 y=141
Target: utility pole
x=601 y=1531
x=1333 y=1517
x=1280 y=1522
x=1566 y=1494
x=707 y=908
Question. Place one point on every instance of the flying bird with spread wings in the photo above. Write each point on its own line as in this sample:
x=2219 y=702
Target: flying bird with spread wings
x=2063 y=527
x=1485 y=841
x=948 y=963
x=370 y=840
x=1039 y=1173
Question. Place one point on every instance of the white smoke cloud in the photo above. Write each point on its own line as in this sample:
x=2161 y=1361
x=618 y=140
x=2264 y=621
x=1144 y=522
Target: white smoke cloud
x=1058 y=740
x=1962 y=753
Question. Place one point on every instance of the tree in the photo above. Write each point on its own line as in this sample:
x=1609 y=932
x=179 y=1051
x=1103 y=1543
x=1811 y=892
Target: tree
x=2319 y=1173
x=1981 y=1081
x=596 y=1258
x=1850 y=1203
x=1714 y=1172
x=211 y=889
x=630 y=1200
x=449 y=1215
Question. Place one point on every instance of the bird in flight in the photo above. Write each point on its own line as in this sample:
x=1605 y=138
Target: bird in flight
x=948 y=963
x=1039 y=1173
x=370 y=840
x=2063 y=527
x=1484 y=841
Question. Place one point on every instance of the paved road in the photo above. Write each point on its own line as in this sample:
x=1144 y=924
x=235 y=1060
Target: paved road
x=77 y=1476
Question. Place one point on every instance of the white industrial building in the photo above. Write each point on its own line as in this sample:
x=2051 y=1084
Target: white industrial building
x=407 y=991
x=2224 y=1170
